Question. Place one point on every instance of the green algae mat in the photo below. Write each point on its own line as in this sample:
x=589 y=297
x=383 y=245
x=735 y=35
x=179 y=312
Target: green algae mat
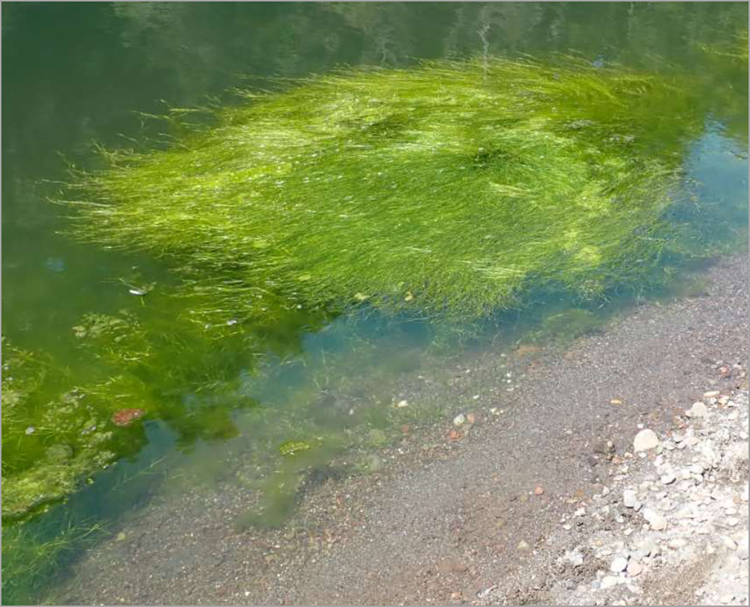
x=447 y=190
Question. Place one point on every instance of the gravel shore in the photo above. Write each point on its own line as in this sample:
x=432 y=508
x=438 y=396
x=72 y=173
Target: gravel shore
x=537 y=495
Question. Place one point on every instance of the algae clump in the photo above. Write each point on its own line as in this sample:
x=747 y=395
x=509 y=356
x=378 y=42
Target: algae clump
x=450 y=189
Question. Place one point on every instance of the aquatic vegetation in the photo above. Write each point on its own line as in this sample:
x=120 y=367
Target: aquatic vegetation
x=30 y=556
x=62 y=424
x=570 y=324
x=52 y=440
x=449 y=189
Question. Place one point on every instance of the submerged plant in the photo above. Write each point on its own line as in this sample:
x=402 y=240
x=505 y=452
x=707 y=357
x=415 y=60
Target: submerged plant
x=449 y=189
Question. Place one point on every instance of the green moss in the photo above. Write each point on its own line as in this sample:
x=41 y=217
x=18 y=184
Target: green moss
x=450 y=189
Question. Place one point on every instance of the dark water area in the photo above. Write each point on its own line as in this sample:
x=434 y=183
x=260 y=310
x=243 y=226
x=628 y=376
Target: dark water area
x=96 y=331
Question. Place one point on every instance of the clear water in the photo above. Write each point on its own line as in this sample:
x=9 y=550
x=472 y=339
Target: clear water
x=75 y=73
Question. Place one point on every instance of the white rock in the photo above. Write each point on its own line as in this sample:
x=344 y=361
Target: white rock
x=618 y=565
x=402 y=403
x=644 y=440
x=668 y=478
x=711 y=394
x=729 y=543
x=656 y=520
x=609 y=582
x=628 y=498
x=648 y=546
x=574 y=557
x=698 y=409
x=459 y=420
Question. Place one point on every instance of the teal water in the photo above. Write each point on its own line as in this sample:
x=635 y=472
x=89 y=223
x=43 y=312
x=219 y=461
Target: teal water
x=74 y=74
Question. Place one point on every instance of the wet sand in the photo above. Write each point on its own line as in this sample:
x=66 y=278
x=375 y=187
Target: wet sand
x=443 y=521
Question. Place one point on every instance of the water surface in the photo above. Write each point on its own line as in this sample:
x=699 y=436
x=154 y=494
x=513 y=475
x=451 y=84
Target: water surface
x=304 y=384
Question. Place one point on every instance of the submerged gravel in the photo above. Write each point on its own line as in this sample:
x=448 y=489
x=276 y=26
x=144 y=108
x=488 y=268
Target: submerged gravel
x=540 y=498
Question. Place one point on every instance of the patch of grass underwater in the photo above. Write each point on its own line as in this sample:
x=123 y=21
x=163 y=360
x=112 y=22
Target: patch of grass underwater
x=447 y=190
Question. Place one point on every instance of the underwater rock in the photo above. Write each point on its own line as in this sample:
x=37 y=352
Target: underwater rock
x=125 y=417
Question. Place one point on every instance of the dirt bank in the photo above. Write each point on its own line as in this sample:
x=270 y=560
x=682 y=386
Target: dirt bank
x=484 y=518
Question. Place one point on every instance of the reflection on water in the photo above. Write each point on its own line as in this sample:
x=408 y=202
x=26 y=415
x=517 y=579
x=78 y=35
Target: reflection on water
x=264 y=404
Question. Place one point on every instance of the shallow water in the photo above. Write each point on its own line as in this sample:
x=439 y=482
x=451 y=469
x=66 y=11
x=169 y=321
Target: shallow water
x=306 y=384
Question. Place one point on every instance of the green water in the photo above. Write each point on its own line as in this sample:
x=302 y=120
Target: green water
x=258 y=403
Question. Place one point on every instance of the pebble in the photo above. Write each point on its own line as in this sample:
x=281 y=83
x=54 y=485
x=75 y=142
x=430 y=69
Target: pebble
x=732 y=521
x=668 y=479
x=648 y=546
x=742 y=552
x=711 y=394
x=698 y=409
x=618 y=565
x=609 y=581
x=656 y=520
x=644 y=440
x=523 y=546
x=634 y=568
x=538 y=490
x=628 y=498
x=402 y=403
x=729 y=543
x=574 y=557
x=459 y=420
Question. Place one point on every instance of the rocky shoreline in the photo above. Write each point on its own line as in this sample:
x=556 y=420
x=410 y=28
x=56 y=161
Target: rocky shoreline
x=674 y=519
x=544 y=501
